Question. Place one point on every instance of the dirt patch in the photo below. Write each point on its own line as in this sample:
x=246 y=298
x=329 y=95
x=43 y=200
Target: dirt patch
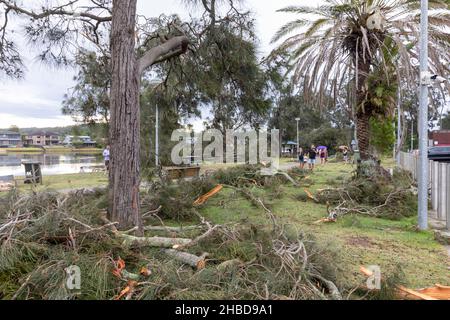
x=364 y=242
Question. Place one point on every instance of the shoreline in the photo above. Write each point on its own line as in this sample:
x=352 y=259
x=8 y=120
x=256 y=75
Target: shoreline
x=50 y=151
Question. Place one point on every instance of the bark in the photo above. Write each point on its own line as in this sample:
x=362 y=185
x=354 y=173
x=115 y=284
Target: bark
x=363 y=134
x=130 y=241
x=196 y=262
x=363 y=110
x=124 y=175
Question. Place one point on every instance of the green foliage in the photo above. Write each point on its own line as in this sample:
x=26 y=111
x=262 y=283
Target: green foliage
x=382 y=135
x=326 y=136
x=89 y=99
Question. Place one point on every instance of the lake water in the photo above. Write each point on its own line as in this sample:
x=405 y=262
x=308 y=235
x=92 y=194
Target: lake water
x=51 y=164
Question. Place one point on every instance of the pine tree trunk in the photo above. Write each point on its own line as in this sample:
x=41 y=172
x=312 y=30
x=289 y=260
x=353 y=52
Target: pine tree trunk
x=124 y=175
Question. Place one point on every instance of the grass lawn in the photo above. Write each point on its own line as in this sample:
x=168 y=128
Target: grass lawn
x=68 y=181
x=357 y=240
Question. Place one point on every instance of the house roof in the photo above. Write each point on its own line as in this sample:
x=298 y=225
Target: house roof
x=43 y=133
x=9 y=132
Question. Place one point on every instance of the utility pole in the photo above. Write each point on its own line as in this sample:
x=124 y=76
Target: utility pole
x=423 y=119
x=412 y=134
x=157 y=136
x=399 y=126
x=298 y=137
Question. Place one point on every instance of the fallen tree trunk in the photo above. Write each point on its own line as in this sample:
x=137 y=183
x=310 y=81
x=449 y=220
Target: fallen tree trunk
x=172 y=229
x=192 y=260
x=160 y=242
x=284 y=174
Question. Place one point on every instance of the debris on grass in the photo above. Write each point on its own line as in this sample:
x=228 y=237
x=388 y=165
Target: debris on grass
x=44 y=233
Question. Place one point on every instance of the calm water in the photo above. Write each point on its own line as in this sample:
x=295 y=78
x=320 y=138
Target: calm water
x=51 y=164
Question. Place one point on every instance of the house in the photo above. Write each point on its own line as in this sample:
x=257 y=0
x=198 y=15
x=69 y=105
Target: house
x=42 y=138
x=85 y=140
x=10 y=139
x=440 y=138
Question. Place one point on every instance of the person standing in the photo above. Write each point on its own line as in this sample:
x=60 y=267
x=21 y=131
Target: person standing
x=345 y=154
x=106 y=157
x=312 y=157
x=322 y=154
x=301 y=158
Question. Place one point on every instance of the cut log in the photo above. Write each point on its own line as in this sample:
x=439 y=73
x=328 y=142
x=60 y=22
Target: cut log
x=172 y=229
x=160 y=242
x=192 y=260
x=284 y=174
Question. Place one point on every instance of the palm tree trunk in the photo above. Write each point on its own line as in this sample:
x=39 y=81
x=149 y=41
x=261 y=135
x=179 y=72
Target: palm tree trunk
x=363 y=134
x=362 y=114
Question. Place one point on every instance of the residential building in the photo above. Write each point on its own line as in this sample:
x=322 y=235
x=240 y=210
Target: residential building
x=440 y=138
x=85 y=140
x=42 y=138
x=10 y=139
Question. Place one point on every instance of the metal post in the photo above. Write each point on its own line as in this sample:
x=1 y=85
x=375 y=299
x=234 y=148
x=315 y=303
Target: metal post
x=298 y=138
x=423 y=120
x=399 y=125
x=157 y=137
x=447 y=205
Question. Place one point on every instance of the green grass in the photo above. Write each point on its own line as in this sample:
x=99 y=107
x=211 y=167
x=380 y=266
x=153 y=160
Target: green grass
x=24 y=150
x=359 y=240
x=68 y=181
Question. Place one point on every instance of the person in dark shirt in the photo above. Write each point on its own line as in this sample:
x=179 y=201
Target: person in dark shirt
x=301 y=158
x=312 y=157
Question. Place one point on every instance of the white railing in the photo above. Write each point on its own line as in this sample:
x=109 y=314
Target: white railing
x=439 y=182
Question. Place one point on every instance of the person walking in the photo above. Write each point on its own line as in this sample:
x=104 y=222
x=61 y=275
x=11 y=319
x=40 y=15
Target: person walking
x=312 y=157
x=106 y=157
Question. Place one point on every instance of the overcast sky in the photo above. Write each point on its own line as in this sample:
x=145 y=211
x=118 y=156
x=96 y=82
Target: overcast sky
x=36 y=100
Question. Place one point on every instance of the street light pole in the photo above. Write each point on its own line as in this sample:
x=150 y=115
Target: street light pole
x=423 y=119
x=298 y=138
x=157 y=136
x=399 y=126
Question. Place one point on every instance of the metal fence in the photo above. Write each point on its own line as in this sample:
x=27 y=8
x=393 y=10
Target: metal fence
x=439 y=184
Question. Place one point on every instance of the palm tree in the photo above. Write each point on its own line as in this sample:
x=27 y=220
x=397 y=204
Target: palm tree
x=370 y=46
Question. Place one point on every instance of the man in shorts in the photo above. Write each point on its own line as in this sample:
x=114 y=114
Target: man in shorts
x=312 y=154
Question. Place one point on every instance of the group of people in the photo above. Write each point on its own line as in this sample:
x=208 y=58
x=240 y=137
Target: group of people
x=310 y=156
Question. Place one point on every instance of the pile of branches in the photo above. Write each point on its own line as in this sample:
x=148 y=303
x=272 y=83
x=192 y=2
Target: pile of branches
x=174 y=199
x=392 y=198
x=43 y=234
